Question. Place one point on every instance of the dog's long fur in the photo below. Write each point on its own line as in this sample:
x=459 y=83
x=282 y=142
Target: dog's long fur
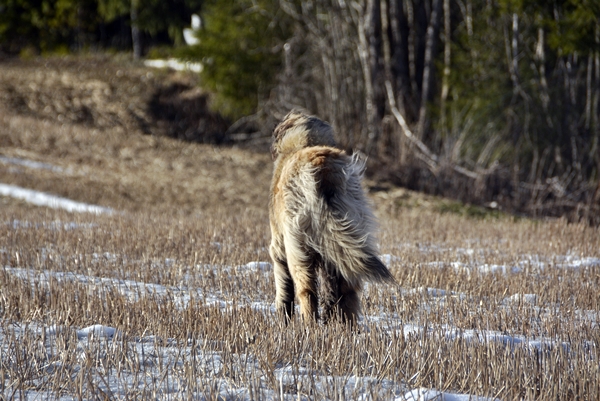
x=321 y=223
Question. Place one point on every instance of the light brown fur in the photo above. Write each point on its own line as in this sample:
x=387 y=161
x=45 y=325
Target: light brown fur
x=321 y=224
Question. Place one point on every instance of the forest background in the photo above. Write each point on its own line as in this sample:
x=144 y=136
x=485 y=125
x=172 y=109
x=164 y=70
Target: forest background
x=491 y=102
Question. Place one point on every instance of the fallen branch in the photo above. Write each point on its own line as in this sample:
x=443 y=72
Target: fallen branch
x=431 y=159
x=407 y=132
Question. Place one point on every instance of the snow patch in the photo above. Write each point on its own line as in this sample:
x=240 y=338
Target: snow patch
x=425 y=394
x=432 y=292
x=573 y=262
x=97 y=331
x=256 y=266
x=388 y=259
x=521 y=299
x=56 y=225
x=174 y=64
x=31 y=164
x=43 y=199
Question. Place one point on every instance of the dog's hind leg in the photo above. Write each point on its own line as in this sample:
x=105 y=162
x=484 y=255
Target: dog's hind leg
x=284 y=290
x=339 y=298
x=305 y=281
x=349 y=301
x=284 y=285
x=329 y=293
x=303 y=269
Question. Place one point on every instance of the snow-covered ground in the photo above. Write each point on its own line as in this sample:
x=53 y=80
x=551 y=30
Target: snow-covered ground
x=160 y=366
x=164 y=360
x=163 y=377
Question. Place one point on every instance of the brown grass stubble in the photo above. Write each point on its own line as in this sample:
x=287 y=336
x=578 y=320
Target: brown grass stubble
x=130 y=172
x=141 y=241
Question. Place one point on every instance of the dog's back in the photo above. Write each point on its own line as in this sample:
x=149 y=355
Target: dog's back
x=320 y=220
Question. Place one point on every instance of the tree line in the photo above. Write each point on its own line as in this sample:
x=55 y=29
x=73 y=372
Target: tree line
x=63 y=26
x=492 y=101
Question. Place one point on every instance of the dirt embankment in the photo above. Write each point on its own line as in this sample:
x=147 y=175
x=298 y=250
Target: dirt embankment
x=108 y=125
x=101 y=92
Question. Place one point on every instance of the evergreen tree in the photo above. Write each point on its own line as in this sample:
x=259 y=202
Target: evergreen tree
x=240 y=47
x=47 y=25
x=44 y=24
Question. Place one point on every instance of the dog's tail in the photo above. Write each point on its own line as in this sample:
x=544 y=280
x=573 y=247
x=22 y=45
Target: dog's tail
x=337 y=219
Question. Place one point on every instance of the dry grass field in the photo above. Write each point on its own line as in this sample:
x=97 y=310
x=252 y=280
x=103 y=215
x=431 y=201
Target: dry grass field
x=171 y=295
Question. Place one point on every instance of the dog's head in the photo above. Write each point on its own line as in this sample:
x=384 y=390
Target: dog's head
x=298 y=130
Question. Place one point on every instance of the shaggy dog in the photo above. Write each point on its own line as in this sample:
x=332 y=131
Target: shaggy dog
x=321 y=223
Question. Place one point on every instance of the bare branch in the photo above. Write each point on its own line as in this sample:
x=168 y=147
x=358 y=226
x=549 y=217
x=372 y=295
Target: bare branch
x=431 y=159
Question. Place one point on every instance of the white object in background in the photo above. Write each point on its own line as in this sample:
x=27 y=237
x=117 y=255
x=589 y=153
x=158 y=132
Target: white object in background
x=174 y=64
x=196 y=22
x=189 y=34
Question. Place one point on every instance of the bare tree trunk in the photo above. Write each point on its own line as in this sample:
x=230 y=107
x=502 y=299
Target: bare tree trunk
x=519 y=119
x=370 y=50
x=412 y=46
x=588 y=92
x=467 y=11
x=136 y=36
x=512 y=48
x=288 y=73
x=469 y=19
x=540 y=52
x=570 y=83
x=428 y=66
x=376 y=58
x=515 y=49
x=511 y=45
x=399 y=46
x=399 y=38
x=594 y=153
x=387 y=47
x=363 y=51
x=447 y=59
